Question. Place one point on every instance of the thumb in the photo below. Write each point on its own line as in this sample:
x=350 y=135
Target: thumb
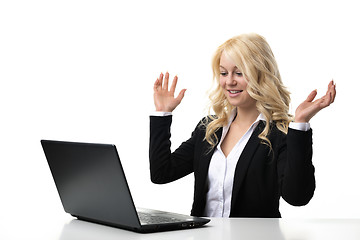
x=181 y=95
x=311 y=96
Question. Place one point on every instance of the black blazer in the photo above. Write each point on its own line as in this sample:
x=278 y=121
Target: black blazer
x=261 y=177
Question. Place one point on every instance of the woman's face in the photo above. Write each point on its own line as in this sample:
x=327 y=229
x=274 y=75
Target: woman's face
x=234 y=84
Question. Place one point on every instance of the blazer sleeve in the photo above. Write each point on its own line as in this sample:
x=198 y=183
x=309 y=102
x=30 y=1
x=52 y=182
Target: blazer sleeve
x=296 y=171
x=295 y=159
x=166 y=166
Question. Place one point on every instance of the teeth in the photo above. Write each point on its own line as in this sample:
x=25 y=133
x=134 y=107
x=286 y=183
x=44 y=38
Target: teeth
x=235 y=91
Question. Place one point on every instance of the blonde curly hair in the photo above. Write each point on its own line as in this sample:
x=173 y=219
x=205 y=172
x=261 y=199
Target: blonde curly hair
x=253 y=56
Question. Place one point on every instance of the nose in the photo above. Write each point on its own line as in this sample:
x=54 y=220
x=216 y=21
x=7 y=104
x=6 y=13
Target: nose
x=230 y=80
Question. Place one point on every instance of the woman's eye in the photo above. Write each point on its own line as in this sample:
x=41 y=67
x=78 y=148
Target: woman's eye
x=223 y=73
x=239 y=74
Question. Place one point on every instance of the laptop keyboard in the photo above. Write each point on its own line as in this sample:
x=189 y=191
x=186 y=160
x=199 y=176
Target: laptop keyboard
x=155 y=219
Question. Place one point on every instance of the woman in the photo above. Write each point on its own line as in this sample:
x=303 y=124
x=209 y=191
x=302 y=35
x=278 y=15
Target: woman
x=252 y=151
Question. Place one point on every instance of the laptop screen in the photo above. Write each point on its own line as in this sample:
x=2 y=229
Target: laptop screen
x=91 y=182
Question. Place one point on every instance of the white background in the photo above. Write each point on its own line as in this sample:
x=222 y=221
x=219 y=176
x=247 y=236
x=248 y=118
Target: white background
x=84 y=71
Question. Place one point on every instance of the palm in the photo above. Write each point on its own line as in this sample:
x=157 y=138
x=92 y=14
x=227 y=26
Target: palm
x=164 y=98
x=309 y=108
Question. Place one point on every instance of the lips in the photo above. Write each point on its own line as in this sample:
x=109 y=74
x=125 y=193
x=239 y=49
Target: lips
x=235 y=91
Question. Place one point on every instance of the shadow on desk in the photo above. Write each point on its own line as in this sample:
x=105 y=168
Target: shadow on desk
x=217 y=229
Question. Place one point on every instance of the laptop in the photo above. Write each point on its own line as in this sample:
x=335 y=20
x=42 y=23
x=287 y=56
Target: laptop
x=92 y=186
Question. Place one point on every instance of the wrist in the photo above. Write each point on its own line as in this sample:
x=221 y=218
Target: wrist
x=301 y=120
x=161 y=108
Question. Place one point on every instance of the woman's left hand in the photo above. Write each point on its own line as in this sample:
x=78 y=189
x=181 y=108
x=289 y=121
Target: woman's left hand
x=309 y=108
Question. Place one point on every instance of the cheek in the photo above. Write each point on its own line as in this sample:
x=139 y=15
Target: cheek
x=243 y=83
x=222 y=82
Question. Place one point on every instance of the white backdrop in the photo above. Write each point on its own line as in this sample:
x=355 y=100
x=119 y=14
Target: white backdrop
x=84 y=71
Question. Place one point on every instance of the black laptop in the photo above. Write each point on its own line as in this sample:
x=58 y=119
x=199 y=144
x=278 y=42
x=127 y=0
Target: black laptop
x=92 y=187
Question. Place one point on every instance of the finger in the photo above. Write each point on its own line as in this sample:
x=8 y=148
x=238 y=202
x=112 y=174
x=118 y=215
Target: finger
x=156 y=84
x=325 y=100
x=333 y=93
x=311 y=96
x=181 y=95
x=331 y=83
x=174 y=83
x=166 y=81
x=331 y=89
x=161 y=79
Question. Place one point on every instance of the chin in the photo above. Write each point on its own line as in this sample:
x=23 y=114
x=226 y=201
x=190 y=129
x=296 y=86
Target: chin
x=241 y=104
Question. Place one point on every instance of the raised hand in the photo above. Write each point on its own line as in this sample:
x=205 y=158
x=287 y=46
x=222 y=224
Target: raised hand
x=163 y=98
x=310 y=108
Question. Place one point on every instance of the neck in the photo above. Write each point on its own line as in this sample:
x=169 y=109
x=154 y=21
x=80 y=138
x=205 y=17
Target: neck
x=246 y=116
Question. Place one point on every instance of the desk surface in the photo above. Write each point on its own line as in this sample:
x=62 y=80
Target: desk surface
x=300 y=229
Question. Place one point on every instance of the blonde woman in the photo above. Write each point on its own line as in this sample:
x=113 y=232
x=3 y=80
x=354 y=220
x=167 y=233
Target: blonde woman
x=252 y=151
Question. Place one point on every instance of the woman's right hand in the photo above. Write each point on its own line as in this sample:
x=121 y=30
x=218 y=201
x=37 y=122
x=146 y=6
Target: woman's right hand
x=163 y=98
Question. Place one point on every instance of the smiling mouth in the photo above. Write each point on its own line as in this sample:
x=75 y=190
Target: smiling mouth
x=235 y=91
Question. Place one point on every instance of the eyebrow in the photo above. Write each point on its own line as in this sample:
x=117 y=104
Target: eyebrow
x=226 y=69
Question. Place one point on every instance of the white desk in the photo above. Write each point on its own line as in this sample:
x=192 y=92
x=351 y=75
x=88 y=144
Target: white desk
x=217 y=229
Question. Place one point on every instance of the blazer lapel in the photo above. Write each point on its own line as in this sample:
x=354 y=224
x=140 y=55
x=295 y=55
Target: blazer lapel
x=205 y=162
x=244 y=161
